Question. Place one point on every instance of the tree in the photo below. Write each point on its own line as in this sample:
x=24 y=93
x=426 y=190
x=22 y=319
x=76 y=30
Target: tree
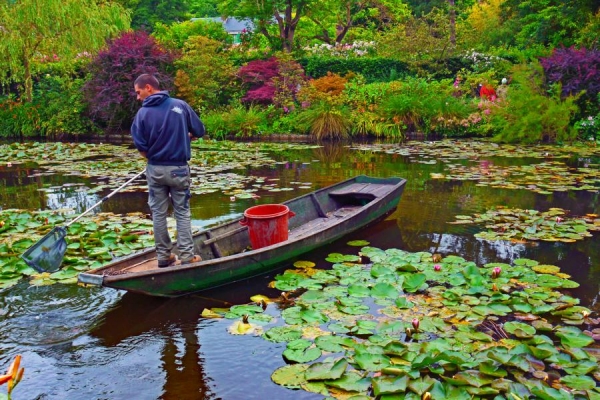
x=284 y=15
x=31 y=30
x=335 y=18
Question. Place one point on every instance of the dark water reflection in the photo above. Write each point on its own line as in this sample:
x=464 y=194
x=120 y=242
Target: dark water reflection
x=93 y=344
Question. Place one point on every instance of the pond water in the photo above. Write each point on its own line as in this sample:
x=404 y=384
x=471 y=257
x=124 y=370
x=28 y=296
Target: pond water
x=90 y=343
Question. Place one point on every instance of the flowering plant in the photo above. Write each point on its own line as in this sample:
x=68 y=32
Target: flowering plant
x=589 y=127
x=480 y=61
x=355 y=49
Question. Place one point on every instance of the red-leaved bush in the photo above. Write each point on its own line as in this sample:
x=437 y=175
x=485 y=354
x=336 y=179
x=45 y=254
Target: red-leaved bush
x=576 y=70
x=273 y=81
x=258 y=75
x=109 y=93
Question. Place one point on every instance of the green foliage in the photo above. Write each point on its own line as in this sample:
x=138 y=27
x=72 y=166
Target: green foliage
x=204 y=8
x=588 y=128
x=374 y=69
x=530 y=114
x=177 y=34
x=231 y=121
x=146 y=13
x=326 y=120
x=588 y=35
x=205 y=76
x=548 y=22
x=367 y=118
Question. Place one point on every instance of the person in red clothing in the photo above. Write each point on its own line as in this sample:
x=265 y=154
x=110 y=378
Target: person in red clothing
x=488 y=93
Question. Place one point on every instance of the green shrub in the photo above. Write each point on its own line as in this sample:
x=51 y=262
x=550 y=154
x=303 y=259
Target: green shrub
x=531 y=114
x=205 y=77
x=177 y=34
x=367 y=123
x=57 y=109
x=235 y=121
x=427 y=107
x=361 y=95
x=215 y=124
x=63 y=107
x=19 y=119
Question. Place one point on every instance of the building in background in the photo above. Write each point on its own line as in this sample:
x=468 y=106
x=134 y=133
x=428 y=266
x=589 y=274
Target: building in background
x=232 y=26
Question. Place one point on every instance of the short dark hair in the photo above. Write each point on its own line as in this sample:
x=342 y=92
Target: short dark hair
x=147 y=79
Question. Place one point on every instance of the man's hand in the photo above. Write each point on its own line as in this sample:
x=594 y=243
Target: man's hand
x=143 y=153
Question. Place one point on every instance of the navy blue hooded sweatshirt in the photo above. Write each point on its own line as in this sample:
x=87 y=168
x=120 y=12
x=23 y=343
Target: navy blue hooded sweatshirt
x=160 y=129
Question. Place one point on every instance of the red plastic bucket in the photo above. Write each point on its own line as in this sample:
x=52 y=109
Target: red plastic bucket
x=267 y=224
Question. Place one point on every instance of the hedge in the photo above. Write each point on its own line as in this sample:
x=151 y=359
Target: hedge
x=374 y=69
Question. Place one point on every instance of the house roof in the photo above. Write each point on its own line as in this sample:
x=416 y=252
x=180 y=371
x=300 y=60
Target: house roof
x=230 y=24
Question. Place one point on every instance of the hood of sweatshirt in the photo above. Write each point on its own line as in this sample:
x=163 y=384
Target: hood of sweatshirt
x=155 y=99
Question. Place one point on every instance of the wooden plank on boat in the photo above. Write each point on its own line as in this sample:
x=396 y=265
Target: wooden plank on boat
x=377 y=190
x=223 y=236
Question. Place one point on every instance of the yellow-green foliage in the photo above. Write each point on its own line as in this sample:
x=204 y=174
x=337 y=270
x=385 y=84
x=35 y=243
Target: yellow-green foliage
x=205 y=75
x=483 y=24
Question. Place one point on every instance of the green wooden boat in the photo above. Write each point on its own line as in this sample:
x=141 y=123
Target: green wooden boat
x=314 y=220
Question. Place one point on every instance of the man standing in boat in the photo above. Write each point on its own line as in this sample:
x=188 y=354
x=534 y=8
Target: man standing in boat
x=162 y=132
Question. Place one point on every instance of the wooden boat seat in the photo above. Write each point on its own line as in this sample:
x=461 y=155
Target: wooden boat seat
x=363 y=190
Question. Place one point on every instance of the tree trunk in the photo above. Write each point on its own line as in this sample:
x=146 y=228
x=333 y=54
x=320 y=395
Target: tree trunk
x=28 y=79
x=452 y=23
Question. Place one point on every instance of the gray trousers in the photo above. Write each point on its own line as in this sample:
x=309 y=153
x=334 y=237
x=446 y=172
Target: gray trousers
x=170 y=184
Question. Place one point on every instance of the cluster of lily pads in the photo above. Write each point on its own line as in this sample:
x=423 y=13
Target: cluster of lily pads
x=540 y=177
x=543 y=178
x=111 y=165
x=92 y=242
x=393 y=324
x=520 y=225
x=451 y=149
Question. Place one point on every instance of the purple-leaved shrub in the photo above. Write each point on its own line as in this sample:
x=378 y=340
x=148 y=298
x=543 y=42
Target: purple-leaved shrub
x=109 y=93
x=577 y=70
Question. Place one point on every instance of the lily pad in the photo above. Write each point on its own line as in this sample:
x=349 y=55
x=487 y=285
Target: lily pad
x=290 y=376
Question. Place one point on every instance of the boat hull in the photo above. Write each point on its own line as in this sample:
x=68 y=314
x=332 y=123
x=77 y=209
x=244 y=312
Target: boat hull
x=321 y=217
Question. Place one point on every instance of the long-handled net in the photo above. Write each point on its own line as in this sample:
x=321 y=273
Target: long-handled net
x=47 y=254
